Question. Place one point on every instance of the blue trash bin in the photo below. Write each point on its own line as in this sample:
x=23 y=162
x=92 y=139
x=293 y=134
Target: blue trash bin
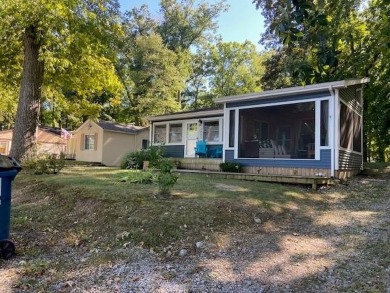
x=9 y=168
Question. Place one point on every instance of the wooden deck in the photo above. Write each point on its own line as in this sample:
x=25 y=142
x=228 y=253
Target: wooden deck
x=313 y=181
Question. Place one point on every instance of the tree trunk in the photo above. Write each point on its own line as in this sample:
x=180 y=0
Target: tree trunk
x=27 y=114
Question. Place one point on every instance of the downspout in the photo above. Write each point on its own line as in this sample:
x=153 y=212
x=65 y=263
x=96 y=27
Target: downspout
x=226 y=125
x=150 y=133
x=332 y=131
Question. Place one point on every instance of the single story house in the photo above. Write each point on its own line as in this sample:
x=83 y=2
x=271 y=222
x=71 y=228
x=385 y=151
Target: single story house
x=106 y=142
x=313 y=130
x=49 y=141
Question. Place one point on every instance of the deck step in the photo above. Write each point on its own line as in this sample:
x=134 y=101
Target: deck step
x=313 y=181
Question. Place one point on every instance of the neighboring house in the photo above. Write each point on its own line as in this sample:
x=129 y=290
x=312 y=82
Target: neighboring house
x=313 y=130
x=49 y=141
x=106 y=142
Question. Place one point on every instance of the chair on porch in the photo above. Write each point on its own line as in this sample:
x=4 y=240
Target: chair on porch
x=311 y=151
x=218 y=152
x=201 y=148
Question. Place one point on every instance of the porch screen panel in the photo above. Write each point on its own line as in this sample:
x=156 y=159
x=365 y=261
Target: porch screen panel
x=357 y=133
x=324 y=123
x=280 y=132
x=346 y=127
x=232 y=127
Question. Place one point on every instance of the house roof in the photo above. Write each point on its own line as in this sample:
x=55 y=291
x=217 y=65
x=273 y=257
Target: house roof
x=200 y=113
x=44 y=134
x=112 y=126
x=292 y=90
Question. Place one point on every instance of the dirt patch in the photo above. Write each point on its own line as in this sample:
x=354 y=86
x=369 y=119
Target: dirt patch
x=232 y=188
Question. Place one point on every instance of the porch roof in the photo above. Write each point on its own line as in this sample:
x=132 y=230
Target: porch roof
x=200 y=113
x=292 y=90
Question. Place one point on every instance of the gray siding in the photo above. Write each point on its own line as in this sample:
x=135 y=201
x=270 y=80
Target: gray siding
x=348 y=95
x=265 y=101
x=324 y=162
x=349 y=161
x=174 y=151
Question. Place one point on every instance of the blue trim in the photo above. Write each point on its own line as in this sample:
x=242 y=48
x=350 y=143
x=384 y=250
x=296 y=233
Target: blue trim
x=324 y=162
x=174 y=151
x=265 y=101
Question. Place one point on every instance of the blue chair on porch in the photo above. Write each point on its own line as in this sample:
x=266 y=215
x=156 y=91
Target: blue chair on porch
x=201 y=148
x=218 y=152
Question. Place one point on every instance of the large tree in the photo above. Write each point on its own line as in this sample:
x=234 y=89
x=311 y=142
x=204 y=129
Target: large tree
x=154 y=61
x=237 y=68
x=62 y=44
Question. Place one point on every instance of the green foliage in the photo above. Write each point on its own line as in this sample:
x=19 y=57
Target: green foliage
x=136 y=176
x=134 y=160
x=230 y=167
x=44 y=164
x=166 y=179
x=72 y=52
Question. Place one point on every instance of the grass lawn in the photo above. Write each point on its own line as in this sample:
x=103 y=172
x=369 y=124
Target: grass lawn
x=87 y=211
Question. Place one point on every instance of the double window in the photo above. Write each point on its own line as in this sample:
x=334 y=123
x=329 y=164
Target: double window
x=175 y=133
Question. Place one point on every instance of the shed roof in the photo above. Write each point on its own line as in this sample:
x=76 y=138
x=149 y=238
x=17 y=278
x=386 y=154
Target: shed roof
x=293 y=90
x=112 y=126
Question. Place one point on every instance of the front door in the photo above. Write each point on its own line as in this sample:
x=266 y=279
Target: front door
x=191 y=138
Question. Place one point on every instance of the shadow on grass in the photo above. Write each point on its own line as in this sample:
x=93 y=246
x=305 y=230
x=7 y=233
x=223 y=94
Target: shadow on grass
x=275 y=237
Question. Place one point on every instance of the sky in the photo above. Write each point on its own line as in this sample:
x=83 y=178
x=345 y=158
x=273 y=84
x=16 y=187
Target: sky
x=241 y=22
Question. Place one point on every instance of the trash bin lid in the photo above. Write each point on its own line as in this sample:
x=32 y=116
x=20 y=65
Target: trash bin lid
x=8 y=163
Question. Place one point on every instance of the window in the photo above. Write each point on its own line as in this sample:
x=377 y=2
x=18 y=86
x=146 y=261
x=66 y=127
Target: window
x=211 y=131
x=89 y=142
x=3 y=147
x=160 y=134
x=175 y=133
x=232 y=127
x=145 y=144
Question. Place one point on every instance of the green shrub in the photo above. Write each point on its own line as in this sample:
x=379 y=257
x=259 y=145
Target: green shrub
x=134 y=160
x=44 y=164
x=166 y=179
x=230 y=167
